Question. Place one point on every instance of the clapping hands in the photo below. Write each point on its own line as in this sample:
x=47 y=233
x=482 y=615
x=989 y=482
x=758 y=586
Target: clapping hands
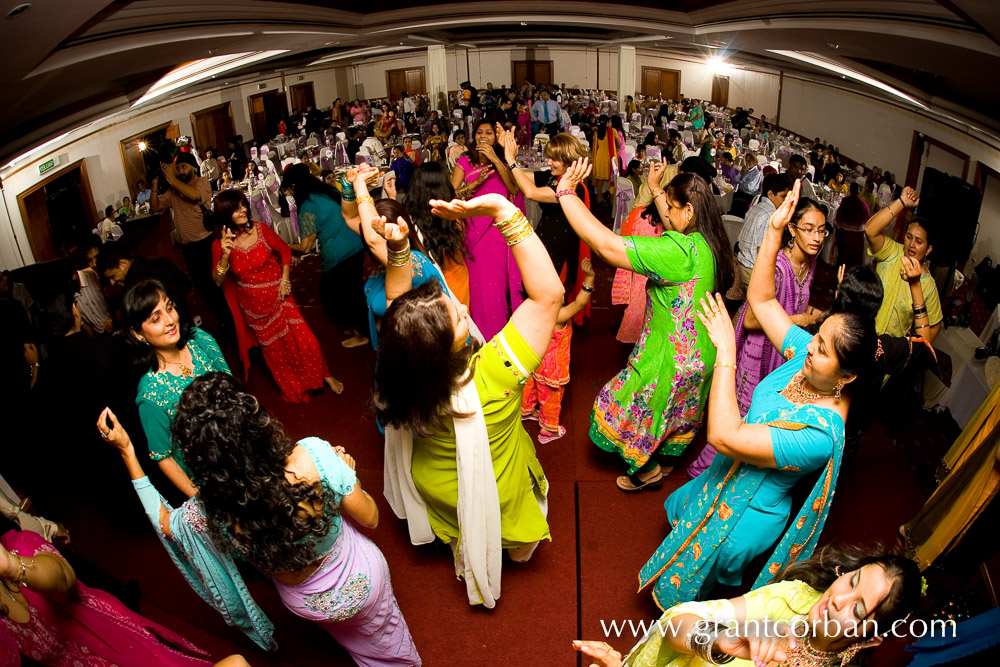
x=575 y=173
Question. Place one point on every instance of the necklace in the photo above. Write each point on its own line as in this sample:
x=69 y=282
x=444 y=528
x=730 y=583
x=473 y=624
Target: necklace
x=797 y=393
x=804 y=655
x=186 y=371
x=800 y=269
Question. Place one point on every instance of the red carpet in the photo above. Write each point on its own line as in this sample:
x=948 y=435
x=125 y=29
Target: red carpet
x=588 y=573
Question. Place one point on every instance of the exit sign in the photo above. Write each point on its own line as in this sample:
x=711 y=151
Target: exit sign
x=47 y=165
x=301 y=77
x=261 y=86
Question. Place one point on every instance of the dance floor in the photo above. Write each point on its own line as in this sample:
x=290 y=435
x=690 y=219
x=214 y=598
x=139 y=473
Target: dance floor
x=586 y=575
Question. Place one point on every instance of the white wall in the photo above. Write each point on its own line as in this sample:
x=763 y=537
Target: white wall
x=988 y=241
x=753 y=90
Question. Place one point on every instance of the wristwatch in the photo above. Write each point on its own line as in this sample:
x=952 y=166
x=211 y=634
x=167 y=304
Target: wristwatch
x=516 y=165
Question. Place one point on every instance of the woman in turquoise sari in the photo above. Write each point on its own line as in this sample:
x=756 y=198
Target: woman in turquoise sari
x=738 y=508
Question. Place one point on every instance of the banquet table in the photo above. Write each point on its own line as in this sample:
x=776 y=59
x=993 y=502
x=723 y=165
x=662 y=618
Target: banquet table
x=967 y=392
x=725 y=201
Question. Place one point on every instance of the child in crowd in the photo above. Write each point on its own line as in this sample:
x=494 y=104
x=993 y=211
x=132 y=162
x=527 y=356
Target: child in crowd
x=403 y=168
x=459 y=147
x=523 y=124
x=542 y=397
x=634 y=174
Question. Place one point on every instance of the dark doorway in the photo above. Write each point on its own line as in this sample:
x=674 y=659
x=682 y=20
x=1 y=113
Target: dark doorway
x=58 y=213
x=538 y=72
x=303 y=95
x=266 y=111
x=720 y=91
x=132 y=149
x=662 y=83
x=212 y=127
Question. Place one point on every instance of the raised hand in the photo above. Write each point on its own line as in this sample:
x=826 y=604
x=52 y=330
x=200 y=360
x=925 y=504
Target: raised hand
x=345 y=457
x=509 y=143
x=361 y=174
x=910 y=269
x=715 y=317
x=393 y=232
x=228 y=241
x=587 y=266
x=780 y=218
x=116 y=435
x=576 y=172
x=599 y=653
x=389 y=184
x=909 y=197
x=656 y=170
x=486 y=150
x=456 y=209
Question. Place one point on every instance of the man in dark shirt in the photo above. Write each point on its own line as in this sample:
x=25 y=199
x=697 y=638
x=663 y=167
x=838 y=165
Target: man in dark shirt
x=742 y=118
x=119 y=266
x=353 y=145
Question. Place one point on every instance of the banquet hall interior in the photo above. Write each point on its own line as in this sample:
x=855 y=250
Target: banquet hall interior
x=865 y=99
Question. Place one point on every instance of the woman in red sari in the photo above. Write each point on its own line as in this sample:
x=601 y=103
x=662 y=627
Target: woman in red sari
x=259 y=293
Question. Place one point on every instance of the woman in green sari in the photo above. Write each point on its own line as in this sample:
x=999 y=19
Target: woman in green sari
x=818 y=612
x=652 y=409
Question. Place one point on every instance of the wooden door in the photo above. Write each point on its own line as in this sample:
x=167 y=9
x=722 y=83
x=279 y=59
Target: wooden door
x=538 y=72
x=266 y=110
x=303 y=95
x=410 y=80
x=720 y=91
x=132 y=160
x=664 y=83
x=213 y=127
x=59 y=212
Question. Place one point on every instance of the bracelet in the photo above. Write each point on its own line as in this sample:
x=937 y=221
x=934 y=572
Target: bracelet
x=587 y=288
x=398 y=258
x=922 y=326
x=514 y=229
x=721 y=364
x=563 y=193
x=701 y=642
x=365 y=199
x=660 y=192
x=221 y=271
x=23 y=579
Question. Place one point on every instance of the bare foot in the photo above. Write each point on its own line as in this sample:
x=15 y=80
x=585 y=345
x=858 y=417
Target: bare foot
x=333 y=383
x=357 y=340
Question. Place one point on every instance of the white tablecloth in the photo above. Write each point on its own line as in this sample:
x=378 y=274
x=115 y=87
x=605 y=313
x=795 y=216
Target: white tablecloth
x=967 y=392
x=725 y=201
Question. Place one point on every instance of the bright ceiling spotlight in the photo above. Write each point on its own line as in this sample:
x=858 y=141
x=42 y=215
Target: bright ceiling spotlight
x=719 y=66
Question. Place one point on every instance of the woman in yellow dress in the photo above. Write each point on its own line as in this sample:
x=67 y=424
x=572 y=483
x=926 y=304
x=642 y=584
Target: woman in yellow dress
x=606 y=143
x=817 y=612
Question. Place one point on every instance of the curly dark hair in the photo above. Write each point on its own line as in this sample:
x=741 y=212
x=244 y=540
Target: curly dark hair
x=237 y=456
x=444 y=239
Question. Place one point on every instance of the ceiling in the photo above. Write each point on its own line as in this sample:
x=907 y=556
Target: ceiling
x=70 y=62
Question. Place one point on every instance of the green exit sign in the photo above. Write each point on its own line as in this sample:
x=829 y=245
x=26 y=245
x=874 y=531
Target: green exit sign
x=45 y=166
x=261 y=86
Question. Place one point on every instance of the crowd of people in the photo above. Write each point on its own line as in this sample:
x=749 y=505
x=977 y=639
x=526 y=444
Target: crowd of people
x=436 y=266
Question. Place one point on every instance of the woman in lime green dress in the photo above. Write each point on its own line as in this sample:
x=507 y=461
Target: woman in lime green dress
x=653 y=407
x=818 y=612
x=459 y=465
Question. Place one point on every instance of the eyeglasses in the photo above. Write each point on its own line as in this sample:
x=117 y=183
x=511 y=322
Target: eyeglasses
x=822 y=232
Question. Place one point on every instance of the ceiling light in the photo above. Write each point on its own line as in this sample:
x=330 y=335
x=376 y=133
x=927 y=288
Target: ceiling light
x=37 y=149
x=199 y=70
x=846 y=72
x=719 y=66
x=19 y=9
x=524 y=23
x=331 y=44
x=372 y=50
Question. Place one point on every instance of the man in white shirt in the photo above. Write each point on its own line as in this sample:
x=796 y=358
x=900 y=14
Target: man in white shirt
x=774 y=190
x=375 y=149
x=409 y=104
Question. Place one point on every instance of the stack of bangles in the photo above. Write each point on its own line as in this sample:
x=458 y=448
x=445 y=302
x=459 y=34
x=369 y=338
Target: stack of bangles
x=365 y=199
x=514 y=229
x=563 y=193
x=398 y=257
x=920 y=311
x=347 y=190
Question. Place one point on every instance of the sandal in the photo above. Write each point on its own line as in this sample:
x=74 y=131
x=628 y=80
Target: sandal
x=545 y=437
x=632 y=483
x=530 y=416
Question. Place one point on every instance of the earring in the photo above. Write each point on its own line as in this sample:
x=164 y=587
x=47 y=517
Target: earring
x=836 y=390
x=837 y=570
x=142 y=339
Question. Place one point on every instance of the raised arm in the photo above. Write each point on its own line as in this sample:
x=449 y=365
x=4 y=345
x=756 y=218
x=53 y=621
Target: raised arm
x=761 y=293
x=45 y=573
x=119 y=438
x=875 y=227
x=656 y=170
x=367 y=214
x=358 y=503
x=536 y=317
x=591 y=231
x=524 y=180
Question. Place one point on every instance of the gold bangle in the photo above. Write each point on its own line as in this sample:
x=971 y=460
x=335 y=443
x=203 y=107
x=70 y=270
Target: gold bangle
x=724 y=365
x=657 y=194
x=365 y=199
x=514 y=229
x=221 y=271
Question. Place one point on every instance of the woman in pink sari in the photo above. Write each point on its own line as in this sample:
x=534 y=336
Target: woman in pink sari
x=50 y=617
x=793 y=275
x=494 y=279
x=630 y=287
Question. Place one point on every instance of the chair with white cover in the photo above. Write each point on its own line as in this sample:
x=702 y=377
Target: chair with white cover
x=646 y=129
x=340 y=154
x=632 y=142
x=416 y=144
x=753 y=144
x=341 y=136
x=115 y=232
x=287 y=161
x=635 y=117
x=573 y=129
x=687 y=136
x=621 y=205
x=264 y=150
x=689 y=153
x=312 y=141
x=654 y=153
x=763 y=161
x=629 y=153
x=326 y=159
x=733 y=225
x=254 y=155
x=542 y=137
x=673 y=125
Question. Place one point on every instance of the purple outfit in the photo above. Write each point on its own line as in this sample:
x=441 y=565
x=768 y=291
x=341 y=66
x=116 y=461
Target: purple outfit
x=755 y=356
x=494 y=279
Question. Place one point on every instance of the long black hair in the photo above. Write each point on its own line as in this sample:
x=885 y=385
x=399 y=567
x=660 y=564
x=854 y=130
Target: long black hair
x=444 y=239
x=474 y=157
x=693 y=189
x=237 y=455
x=416 y=340
x=821 y=570
x=602 y=126
x=138 y=304
x=298 y=177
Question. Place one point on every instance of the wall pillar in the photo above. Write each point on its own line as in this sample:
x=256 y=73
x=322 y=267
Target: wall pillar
x=626 y=74
x=437 y=78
